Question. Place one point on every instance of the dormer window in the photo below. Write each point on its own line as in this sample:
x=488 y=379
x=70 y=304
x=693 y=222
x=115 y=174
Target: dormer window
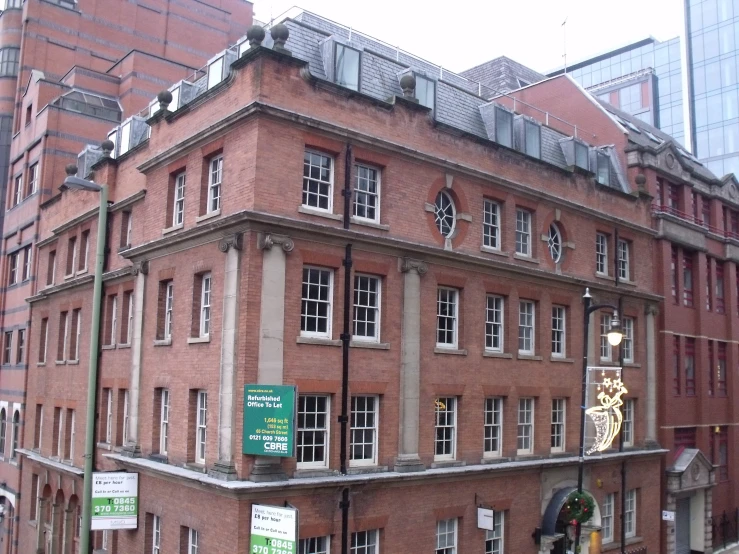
x=425 y=91
x=504 y=127
x=113 y=137
x=347 y=67
x=604 y=169
x=581 y=156
x=125 y=137
x=215 y=72
x=532 y=139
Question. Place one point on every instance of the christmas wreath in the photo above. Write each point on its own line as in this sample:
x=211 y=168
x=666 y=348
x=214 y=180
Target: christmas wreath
x=579 y=507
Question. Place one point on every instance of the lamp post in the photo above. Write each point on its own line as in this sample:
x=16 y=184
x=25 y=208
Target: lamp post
x=74 y=182
x=615 y=334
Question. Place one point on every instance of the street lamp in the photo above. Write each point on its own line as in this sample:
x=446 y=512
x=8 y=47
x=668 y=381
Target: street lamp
x=615 y=335
x=74 y=182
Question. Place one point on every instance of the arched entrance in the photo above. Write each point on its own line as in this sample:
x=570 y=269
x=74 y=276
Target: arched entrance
x=557 y=533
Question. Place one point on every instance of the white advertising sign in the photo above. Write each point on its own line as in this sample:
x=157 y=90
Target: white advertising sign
x=668 y=515
x=485 y=519
x=115 y=500
x=274 y=530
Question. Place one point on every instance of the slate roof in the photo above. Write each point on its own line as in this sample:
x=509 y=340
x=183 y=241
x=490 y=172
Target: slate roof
x=503 y=74
x=639 y=132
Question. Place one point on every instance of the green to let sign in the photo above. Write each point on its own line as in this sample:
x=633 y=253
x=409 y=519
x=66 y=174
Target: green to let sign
x=269 y=420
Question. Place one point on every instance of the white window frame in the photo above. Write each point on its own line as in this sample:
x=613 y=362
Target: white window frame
x=130 y=317
x=601 y=254
x=446 y=405
x=329 y=302
x=495 y=539
x=491 y=224
x=65 y=351
x=70 y=436
x=447 y=296
x=129 y=228
x=18 y=191
x=559 y=331
x=606 y=350
x=319 y=182
x=105 y=540
x=494 y=323
x=164 y=422
x=627 y=427
x=523 y=324
x=372 y=429
x=15 y=436
x=326 y=429
x=205 y=300
x=315 y=545
x=201 y=427
x=628 y=340
x=78 y=312
x=523 y=232
x=113 y=319
x=156 y=535
x=366 y=172
x=367 y=306
x=178 y=207
x=168 y=307
x=125 y=417
x=86 y=255
x=606 y=518
x=33 y=178
x=526 y=407
x=215 y=71
x=444 y=529
x=125 y=145
x=371 y=543
x=193 y=541
x=339 y=81
x=559 y=425
x=624 y=260
x=109 y=416
x=60 y=433
x=630 y=514
x=27 y=254
x=215 y=184
x=493 y=426
x=74 y=256
x=13 y=269
x=46 y=342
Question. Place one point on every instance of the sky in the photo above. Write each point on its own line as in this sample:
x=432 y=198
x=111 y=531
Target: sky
x=529 y=31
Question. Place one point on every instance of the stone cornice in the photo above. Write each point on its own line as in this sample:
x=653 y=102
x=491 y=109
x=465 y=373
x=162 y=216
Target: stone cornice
x=44 y=293
x=245 y=220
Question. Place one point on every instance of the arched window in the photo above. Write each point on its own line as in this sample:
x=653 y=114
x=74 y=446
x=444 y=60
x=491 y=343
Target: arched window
x=554 y=243
x=445 y=214
x=3 y=430
x=16 y=434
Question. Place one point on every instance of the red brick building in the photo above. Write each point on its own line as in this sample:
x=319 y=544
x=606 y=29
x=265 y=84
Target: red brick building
x=310 y=195
x=69 y=71
x=696 y=225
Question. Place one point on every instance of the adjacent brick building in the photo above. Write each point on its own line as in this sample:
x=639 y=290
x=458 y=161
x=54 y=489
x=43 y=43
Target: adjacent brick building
x=69 y=70
x=286 y=179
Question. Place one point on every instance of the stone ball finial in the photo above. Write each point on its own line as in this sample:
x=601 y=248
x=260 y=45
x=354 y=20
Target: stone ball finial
x=408 y=84
x=640 y=179
x=71 y=170
x=280 y=34
x=165 y=99
x=255 y=35
x=107 y=146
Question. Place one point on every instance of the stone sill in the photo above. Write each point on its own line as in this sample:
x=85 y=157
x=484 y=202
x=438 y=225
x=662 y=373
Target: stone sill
x=40 y=364
x=361 y=470
x=322 y=341
x=195 y=467
x=163 y=342
x=207 y=216
x=497 y=252
x=506 y=355
x=604 y=276
x=81 y=272
x=108 y=347
x=61 y=362
x=495 y=460
x=307 y=473
x=452 y=351
x=104 y=446
x=172 y=229
x=73 y=362
x=529 y=357
x=448 y=463
x=370 y=345
x=369 y=223
x=562 y=360
x=124 y=345
x=198 y=340
x=320 y=213
x=528 y=259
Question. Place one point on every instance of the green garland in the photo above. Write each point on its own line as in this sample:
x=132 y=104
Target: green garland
x=579 y=507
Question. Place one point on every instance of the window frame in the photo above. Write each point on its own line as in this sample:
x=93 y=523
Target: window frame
x=371 y=542
x=607 y=519
x=491 y=235
x=340 y=81
x=492 y=324
x=606 y=350
x=559 y=425
x=493 y=421
x=601 y=254
x=201 y=428
x=326 y=430
x=524 y=218
x=428 y=82
x=559 y=331
x=168 y=309
x=376 y=309
x=369 y=195
x=503 y=129
x=527 y=126
x=164 y=410
x=522 y=424
x=627 y=427
x=307 y=179
x=156 y=534
x=178 y=202
x=630 y=522
x=441 y=215
x=205 y=305
x=628 y=344
x=523 y=326
x=373 y=429
x=451 y=436
x=454 y=318
x=603 y=165
x=315 y=545
x=497 y=534
x=27 y=255
x=215 y=188
x=193 y=541
x=446 y=549
x=624 y=260
x=305 y=316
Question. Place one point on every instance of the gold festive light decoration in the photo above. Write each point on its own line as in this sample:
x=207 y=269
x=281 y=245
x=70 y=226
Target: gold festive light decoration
x=607 y=416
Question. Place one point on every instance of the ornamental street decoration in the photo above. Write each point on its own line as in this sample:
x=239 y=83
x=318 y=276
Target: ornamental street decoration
x=603 y=406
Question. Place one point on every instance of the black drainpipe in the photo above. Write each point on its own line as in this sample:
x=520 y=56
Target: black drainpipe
x=345 y=337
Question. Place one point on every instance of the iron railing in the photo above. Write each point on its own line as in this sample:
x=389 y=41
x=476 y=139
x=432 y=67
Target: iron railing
x=725 y=528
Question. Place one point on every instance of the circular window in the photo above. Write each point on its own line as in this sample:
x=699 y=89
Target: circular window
x=444 y=213
x=554 y=243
